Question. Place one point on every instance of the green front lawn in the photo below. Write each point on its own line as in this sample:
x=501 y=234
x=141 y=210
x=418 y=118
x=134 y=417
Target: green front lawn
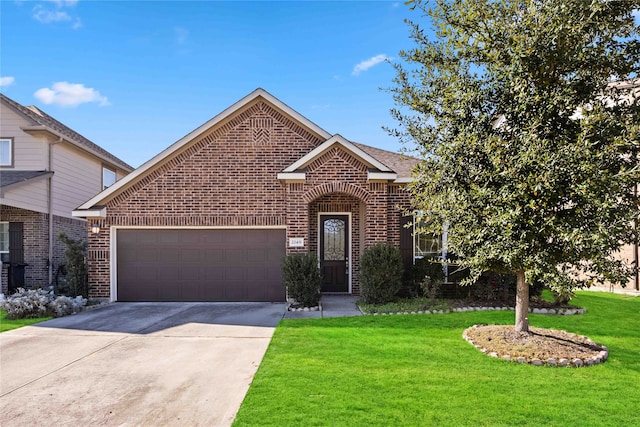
x=416 y=370
x=7 y=324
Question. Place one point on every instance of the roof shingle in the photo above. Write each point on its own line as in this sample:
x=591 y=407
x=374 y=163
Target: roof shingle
x=43 y=119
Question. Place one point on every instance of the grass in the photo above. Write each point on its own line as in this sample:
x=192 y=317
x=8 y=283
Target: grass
x=416 y=370
x=8 y=324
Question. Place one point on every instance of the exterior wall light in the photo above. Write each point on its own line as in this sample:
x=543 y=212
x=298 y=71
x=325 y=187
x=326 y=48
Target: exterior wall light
x=95 y=228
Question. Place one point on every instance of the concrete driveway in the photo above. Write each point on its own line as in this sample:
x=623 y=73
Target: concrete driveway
x=131 y=364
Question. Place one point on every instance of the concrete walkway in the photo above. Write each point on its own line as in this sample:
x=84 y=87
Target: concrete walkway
x=332 y=306
x=142 y=364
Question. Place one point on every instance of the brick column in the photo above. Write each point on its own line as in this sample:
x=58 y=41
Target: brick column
x=99 y=260
x=297 y=217
x=376 y=215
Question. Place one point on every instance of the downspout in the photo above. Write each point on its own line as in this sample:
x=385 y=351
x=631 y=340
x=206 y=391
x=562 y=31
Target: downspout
x=50 y=208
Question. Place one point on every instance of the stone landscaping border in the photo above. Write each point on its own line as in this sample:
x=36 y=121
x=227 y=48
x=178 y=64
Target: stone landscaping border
x=290 y=307
x=557 y=311
x=573 y=363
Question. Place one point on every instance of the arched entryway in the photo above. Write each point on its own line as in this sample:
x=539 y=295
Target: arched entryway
x=335 y=234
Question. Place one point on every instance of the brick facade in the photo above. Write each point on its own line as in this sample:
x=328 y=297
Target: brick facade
x=228 y=177
x=36 y=242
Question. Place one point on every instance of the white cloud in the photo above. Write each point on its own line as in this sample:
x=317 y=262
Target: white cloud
x=67 y=94
x=63 y=3
x=181 y=34
x=368 y=63
x=7 y=81
x=47 y=15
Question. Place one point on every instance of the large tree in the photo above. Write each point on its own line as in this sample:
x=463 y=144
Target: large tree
x=526 y=116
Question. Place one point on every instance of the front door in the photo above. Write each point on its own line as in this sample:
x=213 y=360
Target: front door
x=334 y=252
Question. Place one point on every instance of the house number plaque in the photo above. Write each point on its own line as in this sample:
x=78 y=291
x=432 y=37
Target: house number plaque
x=296 y=242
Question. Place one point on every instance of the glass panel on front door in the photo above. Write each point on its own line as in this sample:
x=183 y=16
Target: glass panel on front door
x=334 y=253
x=334 y=240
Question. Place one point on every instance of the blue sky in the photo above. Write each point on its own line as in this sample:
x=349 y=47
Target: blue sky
x=134 y=77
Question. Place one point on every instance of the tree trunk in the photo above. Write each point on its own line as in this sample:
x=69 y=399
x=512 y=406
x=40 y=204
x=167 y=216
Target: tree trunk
x=522 y=303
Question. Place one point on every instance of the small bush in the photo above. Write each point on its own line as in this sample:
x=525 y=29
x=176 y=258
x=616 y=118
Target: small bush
x=426 y=277
x=380 y=273
x=76 y=280
x=494 y=286
x=32 y=303
x=63 y=305
x=302 y=279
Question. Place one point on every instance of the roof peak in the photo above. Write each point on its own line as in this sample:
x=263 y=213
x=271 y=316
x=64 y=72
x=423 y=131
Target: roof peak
x=39 y=117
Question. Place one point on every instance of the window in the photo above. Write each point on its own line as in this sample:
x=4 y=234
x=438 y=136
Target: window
x=6 y=151
x=108 y=177
x=4 y=241
x=426 y=244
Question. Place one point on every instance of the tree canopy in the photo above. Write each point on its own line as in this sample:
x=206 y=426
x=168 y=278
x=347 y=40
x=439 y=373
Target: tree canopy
x=525 y=114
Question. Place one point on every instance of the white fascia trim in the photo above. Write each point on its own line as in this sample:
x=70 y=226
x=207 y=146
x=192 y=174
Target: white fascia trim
x=403 y=180
x=382 y=176
x=90 y=213
x=337 y=139
x=197 y=132
x=292 y=176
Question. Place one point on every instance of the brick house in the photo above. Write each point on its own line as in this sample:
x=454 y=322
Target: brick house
x=46 y=170
x=210 y=217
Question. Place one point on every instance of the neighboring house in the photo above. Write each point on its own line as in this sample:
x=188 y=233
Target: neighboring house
x=46 y=170
x=210 y=217
x=629 y=254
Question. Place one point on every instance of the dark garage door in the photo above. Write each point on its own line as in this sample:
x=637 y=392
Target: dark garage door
x=200 y=265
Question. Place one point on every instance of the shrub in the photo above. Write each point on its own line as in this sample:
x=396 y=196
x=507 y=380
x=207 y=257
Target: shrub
x=494 y=286
x=63 y=305
x=301 y=277
x=426 y=277
x=76 y=279
x=432 y=279
x=33 y=303
x=380 y=273
x=26 y=304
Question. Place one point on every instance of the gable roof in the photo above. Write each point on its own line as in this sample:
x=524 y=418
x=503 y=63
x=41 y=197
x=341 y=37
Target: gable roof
x=368 y=155
x=339 y=140
x=383 y=164
x=41 y=121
